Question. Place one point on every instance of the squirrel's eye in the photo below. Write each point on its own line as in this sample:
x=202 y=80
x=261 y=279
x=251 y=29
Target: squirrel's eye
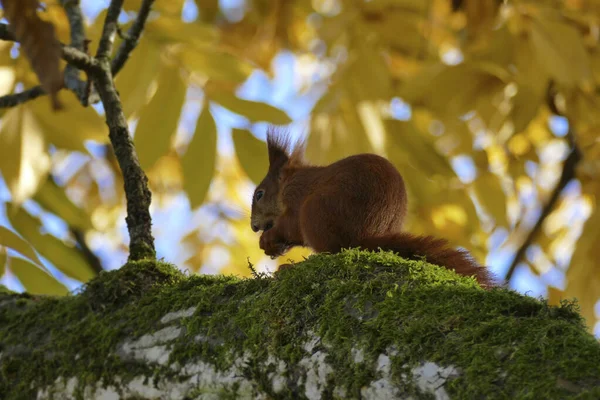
x=259 y=194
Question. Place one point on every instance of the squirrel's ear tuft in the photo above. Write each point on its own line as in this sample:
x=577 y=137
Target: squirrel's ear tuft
x=278 y=144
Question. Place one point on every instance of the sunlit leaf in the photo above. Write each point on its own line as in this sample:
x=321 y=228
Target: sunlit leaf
x=72 y=126
x=66 y=258
x=251 y=153
x=35 y=280
x=198 y=162
x=583 y=279
x=489 y=190
x=253 y=110
x=160 y=117
x=214 y=64
x=170 y=29
x=172 y=7
x=24 y=161
x=208 y=9
x=3 y=259
x=526 y=104
x=134 y=79
x=54 y=199
x=559 y=49
x=11 y=240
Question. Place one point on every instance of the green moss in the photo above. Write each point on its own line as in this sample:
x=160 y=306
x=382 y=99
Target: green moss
x=505 y=345
x=5 y=290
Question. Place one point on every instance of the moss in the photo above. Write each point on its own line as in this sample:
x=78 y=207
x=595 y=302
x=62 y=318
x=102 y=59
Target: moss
x=505 y=345
x=5 y=290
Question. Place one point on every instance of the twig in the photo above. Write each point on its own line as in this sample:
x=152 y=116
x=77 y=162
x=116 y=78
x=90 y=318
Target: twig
x=12 y=100
x=89 y=255
x=109 y=30
x=78 y=58
x=6 y=34
x=131 y=38
x=568 y=173
x=78 y=41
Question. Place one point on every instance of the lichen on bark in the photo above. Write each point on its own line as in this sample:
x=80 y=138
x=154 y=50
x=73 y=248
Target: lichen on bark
x=350 y=325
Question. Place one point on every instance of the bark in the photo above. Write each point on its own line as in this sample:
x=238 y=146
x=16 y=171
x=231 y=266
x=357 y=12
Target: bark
x=351 y=325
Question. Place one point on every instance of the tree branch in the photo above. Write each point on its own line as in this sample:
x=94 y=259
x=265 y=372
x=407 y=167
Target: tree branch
x=568 y=173
x=109 y=31
x=78 y=58
x=72 y=80
x=12 y=100
x=89 y=255
x=133 y=35
x=137 y=194
x=6 y=34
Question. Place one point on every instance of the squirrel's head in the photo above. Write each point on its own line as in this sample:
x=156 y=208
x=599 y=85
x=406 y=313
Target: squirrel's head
x=266 y=204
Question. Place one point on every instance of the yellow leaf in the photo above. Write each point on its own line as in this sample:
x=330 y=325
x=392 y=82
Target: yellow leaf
x=253 y=110
x=215 y=64
x=35 y=280
x=11 y=240
x=160 y=117
x=3 y=259
x=489 y=191
x=442 y=88
x=526 y=104
x=251 y=153
x=24 y=161
x=170 y=29
x=54 y=199
x=171 y=7
x=209 y=9
x=583 y=278
x=480 y=16
x=417 y=151
x=135 y=77
x=72 y=126
x=559 y=50
x=66 y=258
x=198 y=162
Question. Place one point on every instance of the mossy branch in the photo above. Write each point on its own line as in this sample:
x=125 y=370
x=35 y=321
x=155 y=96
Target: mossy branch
x=350 y=325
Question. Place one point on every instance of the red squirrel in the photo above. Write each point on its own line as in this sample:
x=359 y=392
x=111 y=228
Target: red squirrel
x=359 y=201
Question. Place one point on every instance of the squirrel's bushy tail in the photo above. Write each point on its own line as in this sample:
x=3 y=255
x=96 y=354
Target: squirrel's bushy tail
x=433 y=250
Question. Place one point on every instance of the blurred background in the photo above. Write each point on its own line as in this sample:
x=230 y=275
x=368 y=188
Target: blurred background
x=490 y=109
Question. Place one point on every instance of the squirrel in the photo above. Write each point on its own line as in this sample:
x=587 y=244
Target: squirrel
x=357 y=202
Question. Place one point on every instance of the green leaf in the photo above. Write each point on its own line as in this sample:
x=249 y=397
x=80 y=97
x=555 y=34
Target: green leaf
x=253 y=110
x=160 y=117
x=252 y=154
x=11 y=240
x=198 y=162
x=24 y=161
x=54 y=199
x=66 y=258
x=35 y=280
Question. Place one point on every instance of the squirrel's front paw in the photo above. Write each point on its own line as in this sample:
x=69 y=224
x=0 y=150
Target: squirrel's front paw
x=272 y=245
